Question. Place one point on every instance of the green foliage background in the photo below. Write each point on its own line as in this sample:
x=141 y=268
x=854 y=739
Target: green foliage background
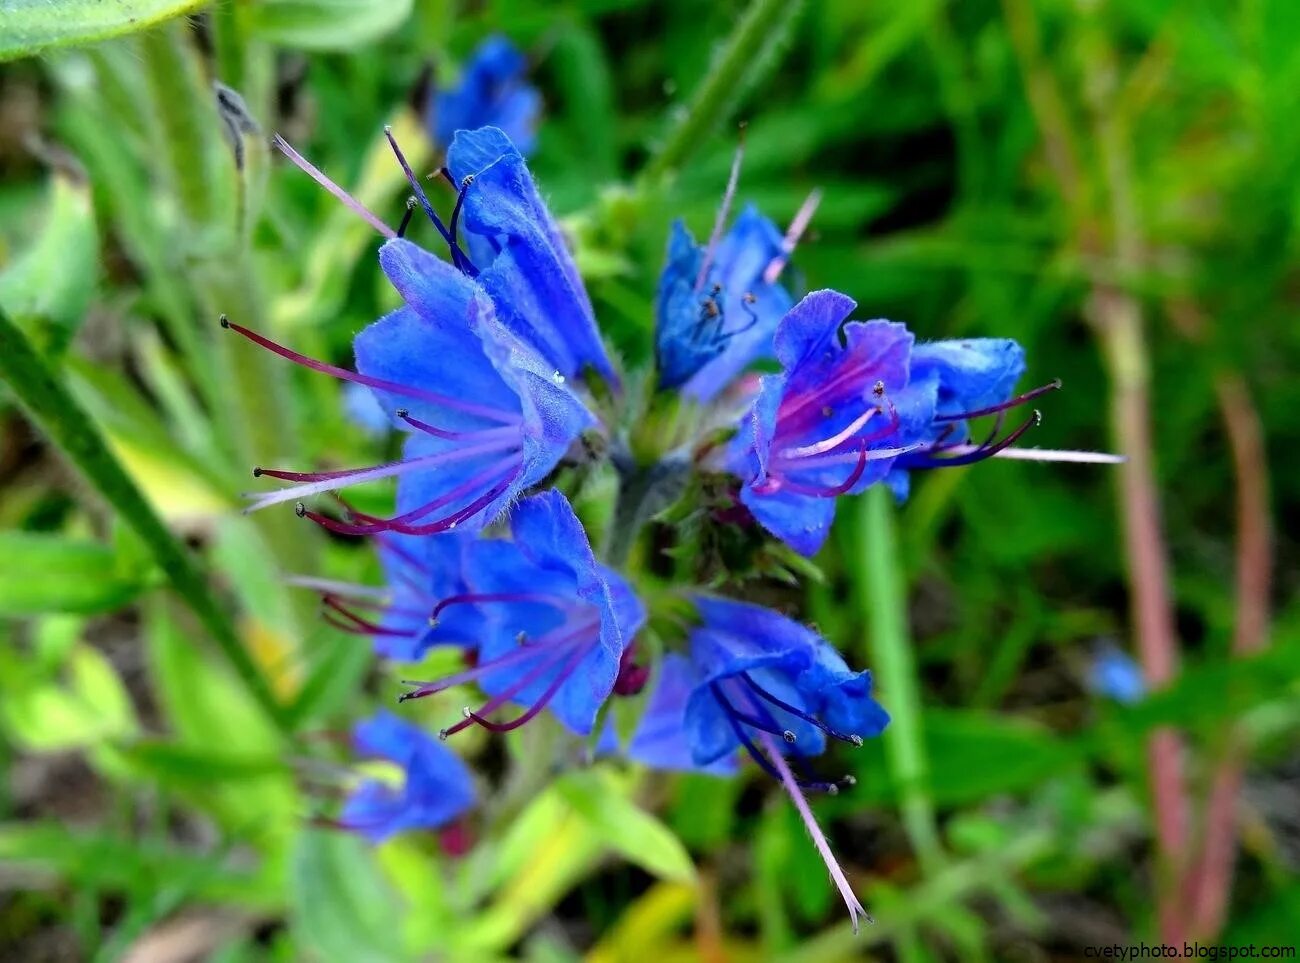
x=1115 y=184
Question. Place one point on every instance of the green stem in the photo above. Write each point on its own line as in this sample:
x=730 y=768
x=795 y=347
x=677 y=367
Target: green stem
x=750 y=51
x=52 y=407
x=882 y=591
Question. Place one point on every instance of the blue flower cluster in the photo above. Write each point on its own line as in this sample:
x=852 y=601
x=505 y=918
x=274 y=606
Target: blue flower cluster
x=494 y=371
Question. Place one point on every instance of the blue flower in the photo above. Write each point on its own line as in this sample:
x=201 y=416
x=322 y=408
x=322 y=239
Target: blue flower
x=520 y=257
x=486 y=416
x=857 y=403
x=714 y=319
x=659 y=739
x=760 y=672
x=1114 y=674
x=758 y=681
x=436 y=788
x=556 y=622
x=492 y=92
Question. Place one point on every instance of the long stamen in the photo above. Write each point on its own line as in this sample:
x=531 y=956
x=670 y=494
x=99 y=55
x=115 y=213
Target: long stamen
x=458 y=255
x=799 y=713
x=404 y=414
x=366 y=625
x=832 y=491
x=324 y=481
x=475 y=598
x=873 y=454
x=983 y=451
x=1015 y=402
x=417 y=187
x=393 y=387
x=562 y=676
x=835 y=440
x=531 y=649
x=340 y=589
x=720 y=222
x=802 y=218
x=319 y=177
x=814 y=830
x=1051 y=454
x=406 y=217
x=445 y=524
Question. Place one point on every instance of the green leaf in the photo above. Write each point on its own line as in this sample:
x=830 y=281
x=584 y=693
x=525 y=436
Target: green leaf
x=341 y=905
x=618 y=823
x=89 y=709
x=102 y=861
x=328 y=24
x=29 y=26
x=48 y=287
x=972 y=756
x=49 y=573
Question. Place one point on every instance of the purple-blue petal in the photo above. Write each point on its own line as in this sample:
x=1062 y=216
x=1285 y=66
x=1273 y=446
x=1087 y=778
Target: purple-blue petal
x=532 y=280
x=492 y=92
x=437 y=785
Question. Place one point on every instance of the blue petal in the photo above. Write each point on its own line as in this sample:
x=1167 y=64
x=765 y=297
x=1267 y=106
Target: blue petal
x=810 y=327
x=972 y=373
x=742 y=256
x=492 y=93
x=801 y=521
x=438 y=786
x=840 y=697
x=704 y=354
x=421 y=571
x=549 y=553
x=447 y=341
x=1114 y=674
x=532 y=281
x=660 y=737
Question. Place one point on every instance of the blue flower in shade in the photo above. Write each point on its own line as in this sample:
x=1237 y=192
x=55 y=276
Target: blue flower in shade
x=556 y=621
x=520 y=257
x=419 y=572
x=486 y=416
x=759 y=672
x=759 y=681
x=492 y=92
x=436 y=788
x=856 y=401
x=717 y=311
x=1115 y=675
x=659 y=739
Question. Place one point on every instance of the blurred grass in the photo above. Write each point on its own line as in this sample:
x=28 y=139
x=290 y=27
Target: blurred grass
x=945 y=208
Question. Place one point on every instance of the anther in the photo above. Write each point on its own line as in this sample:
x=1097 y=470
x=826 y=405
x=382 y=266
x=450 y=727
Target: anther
x=878 y=389
x=749 y=297
x=224 y=321
x=848 y=781
x=433 y=622
x=300 y=510
x=856 y=740
x=467 y=180
x=402 y=412
x=257 y=473
x=467 y=712
x=832 y=789
x=788 y=736
x=442 y=735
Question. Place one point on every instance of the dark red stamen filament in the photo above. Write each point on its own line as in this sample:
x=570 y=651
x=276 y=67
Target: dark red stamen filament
x=1015 y=402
